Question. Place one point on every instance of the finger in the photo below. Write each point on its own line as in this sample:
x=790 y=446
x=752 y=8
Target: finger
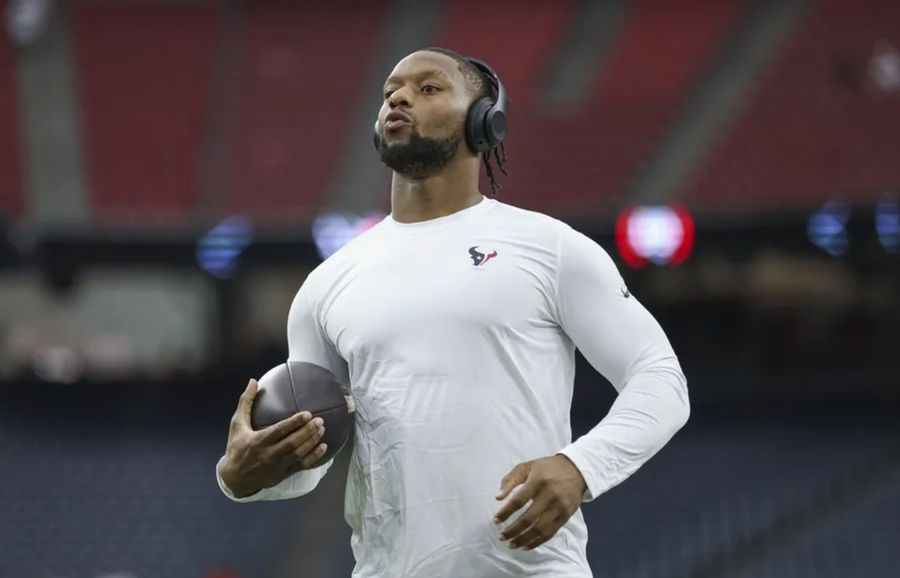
x=308 y=446
x=528 y=519
x=245 y=403
x=305 y=462
x=314 y=456
x=515 y=477
x=279 y=430
x=307 y=436
x=303 y=458
x=517 y=501
x=545 y=529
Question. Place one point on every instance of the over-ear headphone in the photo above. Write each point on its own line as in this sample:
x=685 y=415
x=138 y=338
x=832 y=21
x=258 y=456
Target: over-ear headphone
x=486 y=120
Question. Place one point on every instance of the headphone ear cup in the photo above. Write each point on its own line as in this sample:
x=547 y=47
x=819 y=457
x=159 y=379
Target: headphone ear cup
x=377 y=137
x=476 y=137
x=495 y=126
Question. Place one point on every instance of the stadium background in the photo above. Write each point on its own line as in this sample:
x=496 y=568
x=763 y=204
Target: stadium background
x=164 y=165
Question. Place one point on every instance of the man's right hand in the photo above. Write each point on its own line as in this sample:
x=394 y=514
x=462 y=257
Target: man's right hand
x=258 y=459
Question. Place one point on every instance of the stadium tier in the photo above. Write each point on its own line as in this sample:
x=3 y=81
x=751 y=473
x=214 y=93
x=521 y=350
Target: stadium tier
x=123 y=495
x=248 y=109
x=823 y=121
x=281 y=117
x=143 y=73
x=704 y=511
x=126 y=501
x=11 y=198
x=837 y=548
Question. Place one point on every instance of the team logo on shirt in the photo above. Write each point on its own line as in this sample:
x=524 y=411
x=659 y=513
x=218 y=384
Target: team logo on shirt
x=479 y=258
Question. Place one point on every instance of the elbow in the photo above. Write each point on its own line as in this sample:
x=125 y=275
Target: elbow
x=677 y=413
x=676 y=398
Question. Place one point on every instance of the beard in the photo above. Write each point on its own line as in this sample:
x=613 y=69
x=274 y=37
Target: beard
x=421 y=156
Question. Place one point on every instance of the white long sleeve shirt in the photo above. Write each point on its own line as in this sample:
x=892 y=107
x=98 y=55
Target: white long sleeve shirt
x=457 y=337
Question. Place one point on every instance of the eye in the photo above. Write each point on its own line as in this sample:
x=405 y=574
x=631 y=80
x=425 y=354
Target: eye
x=430 y=89
x=387 y=94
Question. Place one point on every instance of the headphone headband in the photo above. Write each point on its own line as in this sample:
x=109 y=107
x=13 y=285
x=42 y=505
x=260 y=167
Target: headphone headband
x=494 y=79
x=486 y=122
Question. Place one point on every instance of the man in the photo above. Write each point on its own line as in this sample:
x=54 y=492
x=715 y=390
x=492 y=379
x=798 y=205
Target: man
x=455 y=321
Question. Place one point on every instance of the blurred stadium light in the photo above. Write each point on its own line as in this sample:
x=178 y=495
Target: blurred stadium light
x=26 y=20
x=661 y=235
x=220 y=249
x=827 y=228
x=333 y=230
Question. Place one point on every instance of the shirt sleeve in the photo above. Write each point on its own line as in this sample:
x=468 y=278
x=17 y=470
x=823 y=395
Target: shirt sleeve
x=625 y=344
x=307 y=342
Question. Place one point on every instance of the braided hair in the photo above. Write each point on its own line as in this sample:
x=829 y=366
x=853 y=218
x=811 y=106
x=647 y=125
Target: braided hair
x=480 y=86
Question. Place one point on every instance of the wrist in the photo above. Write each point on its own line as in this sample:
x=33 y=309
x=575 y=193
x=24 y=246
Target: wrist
x=231 y=480
x=577 y=472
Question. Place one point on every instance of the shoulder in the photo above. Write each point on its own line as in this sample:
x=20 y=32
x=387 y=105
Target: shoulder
x=537 y=229
x=526 y=217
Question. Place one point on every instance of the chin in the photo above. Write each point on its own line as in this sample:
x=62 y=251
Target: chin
x=396 y=139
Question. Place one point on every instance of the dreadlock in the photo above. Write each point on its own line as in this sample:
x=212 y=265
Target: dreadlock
x=500 y=157
x=480 y=86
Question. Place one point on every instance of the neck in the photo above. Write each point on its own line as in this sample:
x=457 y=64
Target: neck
x=419 y=199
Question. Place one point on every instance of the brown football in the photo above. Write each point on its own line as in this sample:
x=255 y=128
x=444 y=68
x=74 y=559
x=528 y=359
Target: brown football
x=298 y=386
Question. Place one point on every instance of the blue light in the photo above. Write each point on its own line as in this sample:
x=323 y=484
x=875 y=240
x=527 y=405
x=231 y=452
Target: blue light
x=218 y=251
x=827 y=228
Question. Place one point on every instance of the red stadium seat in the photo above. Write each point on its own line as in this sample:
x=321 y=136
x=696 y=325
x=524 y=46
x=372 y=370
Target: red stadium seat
x=11 y=197
x=818 y=127
x=299 y=79
x=144 y=76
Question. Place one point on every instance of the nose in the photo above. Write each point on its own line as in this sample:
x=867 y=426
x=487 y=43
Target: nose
x=399 y=97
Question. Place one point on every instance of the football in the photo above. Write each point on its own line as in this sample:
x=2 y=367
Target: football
x=297 y=386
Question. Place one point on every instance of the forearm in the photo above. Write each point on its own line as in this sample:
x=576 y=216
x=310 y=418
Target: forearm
x=646 y=414
x=299 y=484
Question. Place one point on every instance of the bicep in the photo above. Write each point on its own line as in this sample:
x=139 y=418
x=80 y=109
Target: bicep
x=307 y=340
x=614 y=332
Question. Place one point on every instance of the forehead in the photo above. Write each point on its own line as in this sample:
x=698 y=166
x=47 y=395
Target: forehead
x=425 y=63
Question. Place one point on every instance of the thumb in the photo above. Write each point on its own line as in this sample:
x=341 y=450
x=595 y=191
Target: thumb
x=517 y=476
x=245 y=404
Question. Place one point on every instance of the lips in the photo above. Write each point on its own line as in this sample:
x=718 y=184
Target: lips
x=396 y=120
x=395 y=124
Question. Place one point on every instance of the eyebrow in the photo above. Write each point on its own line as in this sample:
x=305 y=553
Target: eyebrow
x=424 y=74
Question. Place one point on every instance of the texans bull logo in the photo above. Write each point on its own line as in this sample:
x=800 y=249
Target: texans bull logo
x=479 y=258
